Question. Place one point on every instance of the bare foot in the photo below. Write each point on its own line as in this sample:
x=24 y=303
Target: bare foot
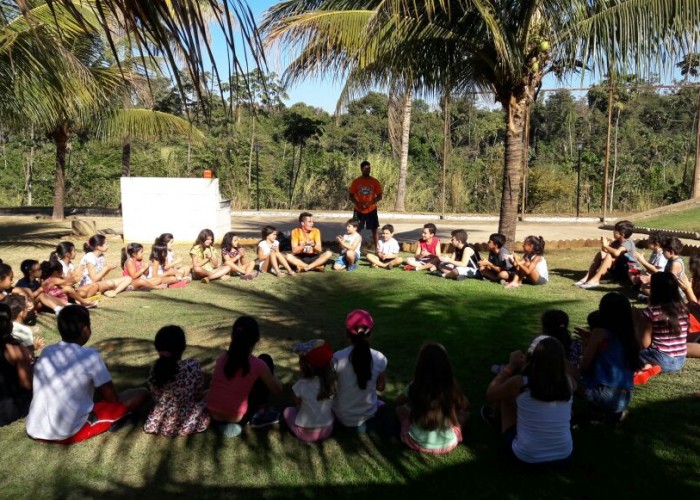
x=205 y=280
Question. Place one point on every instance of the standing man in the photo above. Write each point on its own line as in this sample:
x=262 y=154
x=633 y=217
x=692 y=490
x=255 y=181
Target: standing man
x=365 y=192
x=307 y=253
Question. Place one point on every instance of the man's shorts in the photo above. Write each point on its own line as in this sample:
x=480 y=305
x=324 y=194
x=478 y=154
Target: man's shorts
x=307 y=258
x=369 y=220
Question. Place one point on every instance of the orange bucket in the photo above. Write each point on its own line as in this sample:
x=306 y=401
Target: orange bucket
x=208 y=174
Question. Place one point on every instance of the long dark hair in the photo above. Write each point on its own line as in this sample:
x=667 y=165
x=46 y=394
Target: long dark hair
x=130 y=250
x=361 y=357
x=159 y=252
x=245 y=333
x=62 y=249
x=170 y=344
x=546 y=371
x=665 y=294
x=202 y=237
x=434 y=395
x=616 y=317
x=326 y=376
x=537 y=243
x=49 y=267
x=227 y=241
x=694 y=268
x=6 y=328
x=555 y=323
x=5 y=270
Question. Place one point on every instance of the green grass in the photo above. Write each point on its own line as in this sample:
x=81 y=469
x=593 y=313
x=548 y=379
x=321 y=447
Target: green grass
x=654 y=454
x=687 y=220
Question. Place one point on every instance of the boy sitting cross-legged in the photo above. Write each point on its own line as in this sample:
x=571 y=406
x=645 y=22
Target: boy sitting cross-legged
x=427 y=254
x=498 y=266
x=65 y=378
x=387 y=250
x=462 y=263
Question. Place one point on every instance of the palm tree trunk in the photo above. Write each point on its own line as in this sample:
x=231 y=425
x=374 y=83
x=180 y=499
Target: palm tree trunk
x=60 y=139
x=403 y=160
x=526 y=149
x=696 y=176
x=515 y=112
x=126 y=158
x=296 y=175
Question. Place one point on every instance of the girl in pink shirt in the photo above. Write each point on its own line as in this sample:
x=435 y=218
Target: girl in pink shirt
x=241 y=383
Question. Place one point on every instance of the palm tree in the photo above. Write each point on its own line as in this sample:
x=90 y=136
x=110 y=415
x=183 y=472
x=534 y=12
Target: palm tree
x=501 y=46
x=58 y=80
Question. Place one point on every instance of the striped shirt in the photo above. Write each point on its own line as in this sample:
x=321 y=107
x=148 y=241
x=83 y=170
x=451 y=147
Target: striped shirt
x=662 y=337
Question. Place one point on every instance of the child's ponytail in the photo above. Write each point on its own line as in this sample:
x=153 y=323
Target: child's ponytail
x=555 y=323
x=244 y=335
x=359 y=325
x=170 y=344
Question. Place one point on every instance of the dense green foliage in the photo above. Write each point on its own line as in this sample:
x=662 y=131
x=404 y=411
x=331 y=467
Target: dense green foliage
x=653 y=163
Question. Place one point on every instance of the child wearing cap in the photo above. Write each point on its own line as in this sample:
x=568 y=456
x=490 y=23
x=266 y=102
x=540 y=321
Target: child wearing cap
x=360 y=372
x=312 y=419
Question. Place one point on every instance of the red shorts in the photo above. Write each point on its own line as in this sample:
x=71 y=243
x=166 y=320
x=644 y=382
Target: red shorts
x=102 y=416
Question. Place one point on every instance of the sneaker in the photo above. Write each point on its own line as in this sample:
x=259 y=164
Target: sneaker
x=352 y=267
x=579 y=283
x=228 y=430
x=436 y=273
x=409 y=267
x=57 y=310
x=589 y=286
x=488 y=415
x=265 y=418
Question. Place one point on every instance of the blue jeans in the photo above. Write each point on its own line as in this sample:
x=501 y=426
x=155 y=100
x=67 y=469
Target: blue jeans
x=608 y=399
x=653 y=356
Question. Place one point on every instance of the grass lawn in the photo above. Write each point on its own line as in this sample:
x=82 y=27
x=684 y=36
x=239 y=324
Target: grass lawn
x=688 y=220
x=655 y=454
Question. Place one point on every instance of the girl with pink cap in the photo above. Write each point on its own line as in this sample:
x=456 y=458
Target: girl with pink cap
x=360 y=372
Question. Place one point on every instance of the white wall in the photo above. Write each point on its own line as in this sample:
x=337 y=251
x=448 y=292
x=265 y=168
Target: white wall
x=181 y=206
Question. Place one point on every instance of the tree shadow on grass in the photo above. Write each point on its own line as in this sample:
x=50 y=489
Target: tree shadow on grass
x=474 y=322
x=639 y=460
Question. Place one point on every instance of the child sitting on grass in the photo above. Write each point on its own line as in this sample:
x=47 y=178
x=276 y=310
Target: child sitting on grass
x=205 y=263
x=15 y=372
x=21 y=332
x=614 y=259
x=269 y=256
x=427 y=251
x=657 y=262
x=350 y=244
x=498 y=266
x=241 y=383
x=432 y=410
x=66 y=376
x=532 y=267
x=177 y=388
x=360 y=372
x=462 y=263
x=234 y=256
x=387 y=250
x=312 y=417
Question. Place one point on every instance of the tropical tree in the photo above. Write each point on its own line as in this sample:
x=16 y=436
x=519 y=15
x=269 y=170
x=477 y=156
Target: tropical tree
x=690 y=67
x=298 y=130
x=500 y=46
x=55 y=76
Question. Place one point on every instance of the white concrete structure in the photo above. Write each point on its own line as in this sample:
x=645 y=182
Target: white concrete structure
x=181 y=206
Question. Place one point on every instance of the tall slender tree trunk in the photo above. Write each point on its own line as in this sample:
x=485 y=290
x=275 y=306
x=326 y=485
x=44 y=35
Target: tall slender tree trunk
x=446 y=145
x=126 y=157
x=60 y=138
x=515 y=113
x=250 y=155
x=612 y=181
x=696 y=176
x=403 y=160
x=526 y=149
x=606 y=167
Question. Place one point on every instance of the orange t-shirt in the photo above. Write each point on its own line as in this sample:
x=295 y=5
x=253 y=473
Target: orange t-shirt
x=364 y=190
x=299 y=237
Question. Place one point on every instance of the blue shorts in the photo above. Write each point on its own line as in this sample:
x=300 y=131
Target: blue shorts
x=654 y=356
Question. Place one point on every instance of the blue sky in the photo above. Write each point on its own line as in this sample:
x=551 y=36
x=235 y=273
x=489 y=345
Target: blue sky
x=324 y=93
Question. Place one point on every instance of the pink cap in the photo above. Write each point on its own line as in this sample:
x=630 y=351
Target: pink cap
x=359 y=322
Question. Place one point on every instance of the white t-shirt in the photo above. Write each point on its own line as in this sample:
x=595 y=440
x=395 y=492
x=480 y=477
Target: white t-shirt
x=65 y=377
x=390 y=247
x=267 y=249
x=68 y=269
x=23 y=333
x=97 y=262
x=352 y=405
x=312 y=412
